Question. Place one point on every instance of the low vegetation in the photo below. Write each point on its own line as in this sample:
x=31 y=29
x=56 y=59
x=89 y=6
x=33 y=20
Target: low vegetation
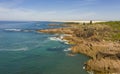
x=115 y=26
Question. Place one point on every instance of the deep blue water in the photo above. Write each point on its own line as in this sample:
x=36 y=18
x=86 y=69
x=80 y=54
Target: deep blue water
x=24 y=51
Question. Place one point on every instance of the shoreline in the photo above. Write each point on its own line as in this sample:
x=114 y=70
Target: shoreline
x=77 y=21
x=87 y=41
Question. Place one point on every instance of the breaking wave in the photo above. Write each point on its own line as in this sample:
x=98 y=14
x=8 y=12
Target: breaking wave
x=56 y=39
x=59 y=39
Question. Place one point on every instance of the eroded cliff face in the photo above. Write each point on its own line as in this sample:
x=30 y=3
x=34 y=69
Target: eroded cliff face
x=95 y=41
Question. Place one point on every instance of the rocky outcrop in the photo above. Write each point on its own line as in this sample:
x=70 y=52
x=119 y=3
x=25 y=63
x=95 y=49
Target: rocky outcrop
x=58 y=31
x=94 y=41
x=104 y=66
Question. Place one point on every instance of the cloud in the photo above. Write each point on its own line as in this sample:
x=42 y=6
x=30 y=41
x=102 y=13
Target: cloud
x=28 y=14
x=10 y=11
x=23 y=14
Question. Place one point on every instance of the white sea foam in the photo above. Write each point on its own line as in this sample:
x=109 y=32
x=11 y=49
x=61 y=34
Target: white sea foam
x=12 y=29
x=60 y=38
x=18 y=30
x=84 y=67
x=56 y=39
x=18 y=49
x=66 y=42
x=69 y=49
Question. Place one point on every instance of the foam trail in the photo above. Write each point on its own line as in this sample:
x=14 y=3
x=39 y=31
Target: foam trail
x=18 y=30
x=19 y=49
x=13 y=30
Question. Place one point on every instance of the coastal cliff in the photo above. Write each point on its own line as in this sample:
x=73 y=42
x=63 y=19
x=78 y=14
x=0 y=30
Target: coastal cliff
x=99 y=41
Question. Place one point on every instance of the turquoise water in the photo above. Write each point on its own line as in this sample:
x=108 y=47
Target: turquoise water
x=29 y=52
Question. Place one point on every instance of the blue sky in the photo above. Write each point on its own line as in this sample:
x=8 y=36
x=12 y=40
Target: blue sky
x=59 y=10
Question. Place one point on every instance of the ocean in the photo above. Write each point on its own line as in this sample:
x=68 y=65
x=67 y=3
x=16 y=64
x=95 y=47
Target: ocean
x=25 y=51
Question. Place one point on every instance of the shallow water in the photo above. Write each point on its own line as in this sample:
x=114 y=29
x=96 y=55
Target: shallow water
x=29 y=52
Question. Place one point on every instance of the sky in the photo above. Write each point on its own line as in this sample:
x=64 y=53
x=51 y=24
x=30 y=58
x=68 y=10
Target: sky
x=59 y=10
